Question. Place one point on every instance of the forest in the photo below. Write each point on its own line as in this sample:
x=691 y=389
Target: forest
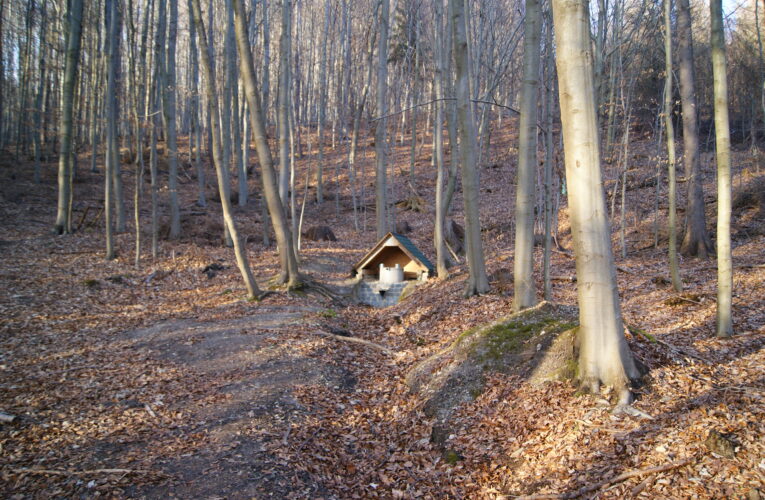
x=382 y=249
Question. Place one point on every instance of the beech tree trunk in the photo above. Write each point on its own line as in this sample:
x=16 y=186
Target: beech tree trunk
x=284 y=101
x=604 y=356
x=112 y=16
x=523 y=266
x=289 y=271
x=381 y=185
x=477 y=283
x=438 y=141
x=669 y=126
x=239 y=249
x=65 y=162
x=696 y=241
x=722 y=140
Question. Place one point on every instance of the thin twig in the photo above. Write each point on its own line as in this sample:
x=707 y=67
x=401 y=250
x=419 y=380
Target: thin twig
x=60 y=472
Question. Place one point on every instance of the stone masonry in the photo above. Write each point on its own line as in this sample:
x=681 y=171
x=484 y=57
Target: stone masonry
x=374 y=294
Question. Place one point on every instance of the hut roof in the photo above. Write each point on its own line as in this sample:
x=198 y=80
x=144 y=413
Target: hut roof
x=405 y=244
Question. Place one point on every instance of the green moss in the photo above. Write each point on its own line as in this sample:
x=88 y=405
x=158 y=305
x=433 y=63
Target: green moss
x=226 y=291
x=328 y=313
x=90 y=283
x=570 y=370
x=510 y=336
x=642 y=333
x=451 y=457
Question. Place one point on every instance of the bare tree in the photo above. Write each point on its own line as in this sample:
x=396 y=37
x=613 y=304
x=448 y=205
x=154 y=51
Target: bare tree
x=696 y=240
x=669 y=127
x=604 y=356
x=284 y=100
x=242 y=261
x=289 y=267
x=722 y=139
x=113 y=29
x=523 y=267
x=381 y=165
x=477 y=282
x=66 y=161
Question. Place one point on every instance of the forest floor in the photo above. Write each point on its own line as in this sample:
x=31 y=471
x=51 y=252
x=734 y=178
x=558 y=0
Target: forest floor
x=163 y=381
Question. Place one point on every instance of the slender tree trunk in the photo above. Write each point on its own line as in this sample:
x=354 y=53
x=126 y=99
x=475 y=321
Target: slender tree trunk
x=548 y=170
x=523 y=268
x=289 y=272
x=38 y=137
x=168 y=101
x=65 y=162
x=669 y=126
x=239 y=249
x=322 y=106
x=284 y=101
x=438 y=140
x=195 y=111
x=477 y=280
x=604 y=356
x=696 y=241
x=113 y=23
x=722 y=139
x=381 y=167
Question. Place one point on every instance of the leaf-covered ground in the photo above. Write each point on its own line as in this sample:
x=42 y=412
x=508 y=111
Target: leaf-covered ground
x=162 y=380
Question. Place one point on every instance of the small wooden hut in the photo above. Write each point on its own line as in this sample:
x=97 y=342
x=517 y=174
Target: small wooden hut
x=394 y=250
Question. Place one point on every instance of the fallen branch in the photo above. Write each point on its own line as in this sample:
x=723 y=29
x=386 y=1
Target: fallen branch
x=670 y=347
x=58 y=472
x=6 y=418
x=355 y=340
x=614 y=480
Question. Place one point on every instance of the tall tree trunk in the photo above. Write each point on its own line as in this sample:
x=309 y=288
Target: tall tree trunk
x=284 y=101
x=239 y=249
x=722 y=140
x=381 y=177
x=548 y=169
x=196 y=109
x=438 y=141
x=65 y=163
x=113 y=29
x=477 y=283
x=696 y=241
x=669 y=126
x=289 y=271
x=39 y=137
x=604 y=356
x=168 y=101
x=523 y=267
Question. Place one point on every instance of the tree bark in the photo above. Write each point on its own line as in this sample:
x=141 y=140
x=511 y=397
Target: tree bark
x=477 y=282
x=696 y=241
x=523 y=267
x=74 y=28
x=669 y=126
x=604 y=355
x=284 y=101
x=289 y=272
x=722 y=140
x=438 y=141
x=239 y=249
x=381 y=184
x=113 y=25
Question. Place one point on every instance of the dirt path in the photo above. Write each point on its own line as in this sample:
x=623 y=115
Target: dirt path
x=257 y=374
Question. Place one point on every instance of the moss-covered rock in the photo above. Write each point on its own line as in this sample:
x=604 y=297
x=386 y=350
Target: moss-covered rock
x=537 y=344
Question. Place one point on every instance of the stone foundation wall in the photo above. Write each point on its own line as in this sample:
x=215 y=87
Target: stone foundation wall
x=368 y=292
